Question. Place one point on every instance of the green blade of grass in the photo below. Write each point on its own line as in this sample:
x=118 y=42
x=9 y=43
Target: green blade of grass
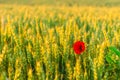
x=114 y=49
x=109 y=60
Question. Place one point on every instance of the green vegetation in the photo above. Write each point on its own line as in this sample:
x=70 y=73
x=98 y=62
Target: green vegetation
x=64 y=2
x=36 y=43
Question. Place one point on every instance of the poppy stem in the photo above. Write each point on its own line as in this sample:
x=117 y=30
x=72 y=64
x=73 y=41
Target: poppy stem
x=77 y=57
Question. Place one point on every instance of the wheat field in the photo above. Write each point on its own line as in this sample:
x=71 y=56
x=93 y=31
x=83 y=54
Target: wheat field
x=36 y=42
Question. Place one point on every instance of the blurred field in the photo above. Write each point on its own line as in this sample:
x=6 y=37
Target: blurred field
x=64 y=2
x=36 y=42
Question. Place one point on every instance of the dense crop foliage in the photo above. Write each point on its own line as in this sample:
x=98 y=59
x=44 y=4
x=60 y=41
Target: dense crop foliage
x=36 y=42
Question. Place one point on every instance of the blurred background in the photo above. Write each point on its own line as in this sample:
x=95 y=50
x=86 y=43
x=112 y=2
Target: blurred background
x=64 y=2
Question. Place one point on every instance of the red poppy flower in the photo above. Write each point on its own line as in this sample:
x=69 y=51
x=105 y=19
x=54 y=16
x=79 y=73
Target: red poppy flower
x=79 y=47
